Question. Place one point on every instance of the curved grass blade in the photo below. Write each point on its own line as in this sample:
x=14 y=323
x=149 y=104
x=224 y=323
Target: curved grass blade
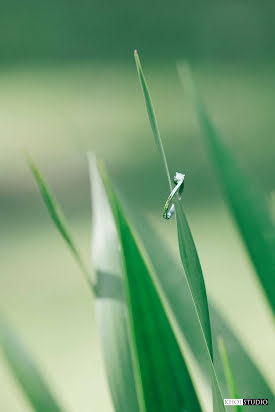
x=25 y=370
x=57 y=216
x=152 y=117
x=228 y=374
x=161 y=375
x=188 y=251
x=248 y=205
x=189 y=258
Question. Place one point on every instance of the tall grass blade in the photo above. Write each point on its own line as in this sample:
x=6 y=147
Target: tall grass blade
x=246 y=201
x=192 y=268
x=152 y=117
x=187 y=247
x=229 y=374
x=189 y=259
x=161 y=375
x=57 y=216
x=25 y=370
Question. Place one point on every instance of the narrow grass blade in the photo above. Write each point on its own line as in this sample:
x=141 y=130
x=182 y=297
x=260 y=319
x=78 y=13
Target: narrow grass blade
x=161 y=375
x=228 y=374
x=25 y=370
x=193 y=271
x=248 y=205
x=57 y=216
x=190 y=261
x=188 y=251
x=152 y=117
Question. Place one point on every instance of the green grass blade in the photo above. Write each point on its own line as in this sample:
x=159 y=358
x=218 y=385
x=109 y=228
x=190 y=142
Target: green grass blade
x=248 y=205
x=161 y=375
x=152 y=117
x=57 y=216
x=190 y=262
x=187 y=247
x=195 y=282
x=228 y=374
x=192 y=268
x=25 y=370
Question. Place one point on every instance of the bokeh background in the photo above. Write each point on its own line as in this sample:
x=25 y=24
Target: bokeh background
x=68 y=85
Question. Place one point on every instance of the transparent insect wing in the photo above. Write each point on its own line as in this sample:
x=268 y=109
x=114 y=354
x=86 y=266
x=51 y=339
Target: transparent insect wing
x=179 y=182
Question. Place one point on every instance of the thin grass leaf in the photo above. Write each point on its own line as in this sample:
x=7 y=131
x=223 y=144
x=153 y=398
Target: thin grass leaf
x=246 y=201
x=25 y=370
x=57 y=216
x=186 y=244
x=195 y=282
x=187 y=247
x=189 y=259
x=228 y=374
x=152 y=117
x=161 y=375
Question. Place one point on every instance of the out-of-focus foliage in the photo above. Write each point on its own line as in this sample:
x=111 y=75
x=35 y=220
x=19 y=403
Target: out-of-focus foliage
x=25 y=370
x=94 y=29
x=248 y=203
x=92 y=102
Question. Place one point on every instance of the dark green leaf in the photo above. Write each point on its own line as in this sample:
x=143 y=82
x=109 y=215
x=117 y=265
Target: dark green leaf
x=248 y=204
x=173 y=282
x=161 y=375
x=25 y=370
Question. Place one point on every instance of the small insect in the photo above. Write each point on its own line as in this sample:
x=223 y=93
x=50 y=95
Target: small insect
x=179 y=182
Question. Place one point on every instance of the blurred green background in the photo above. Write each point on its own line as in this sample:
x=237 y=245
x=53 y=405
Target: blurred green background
x=68 y=85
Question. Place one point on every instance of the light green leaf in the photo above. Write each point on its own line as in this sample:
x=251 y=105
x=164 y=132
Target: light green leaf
x=245 y=199
x=110 y=308
x=161 y=375
x=57 y=216
x=228 y=374
x=25 y=370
